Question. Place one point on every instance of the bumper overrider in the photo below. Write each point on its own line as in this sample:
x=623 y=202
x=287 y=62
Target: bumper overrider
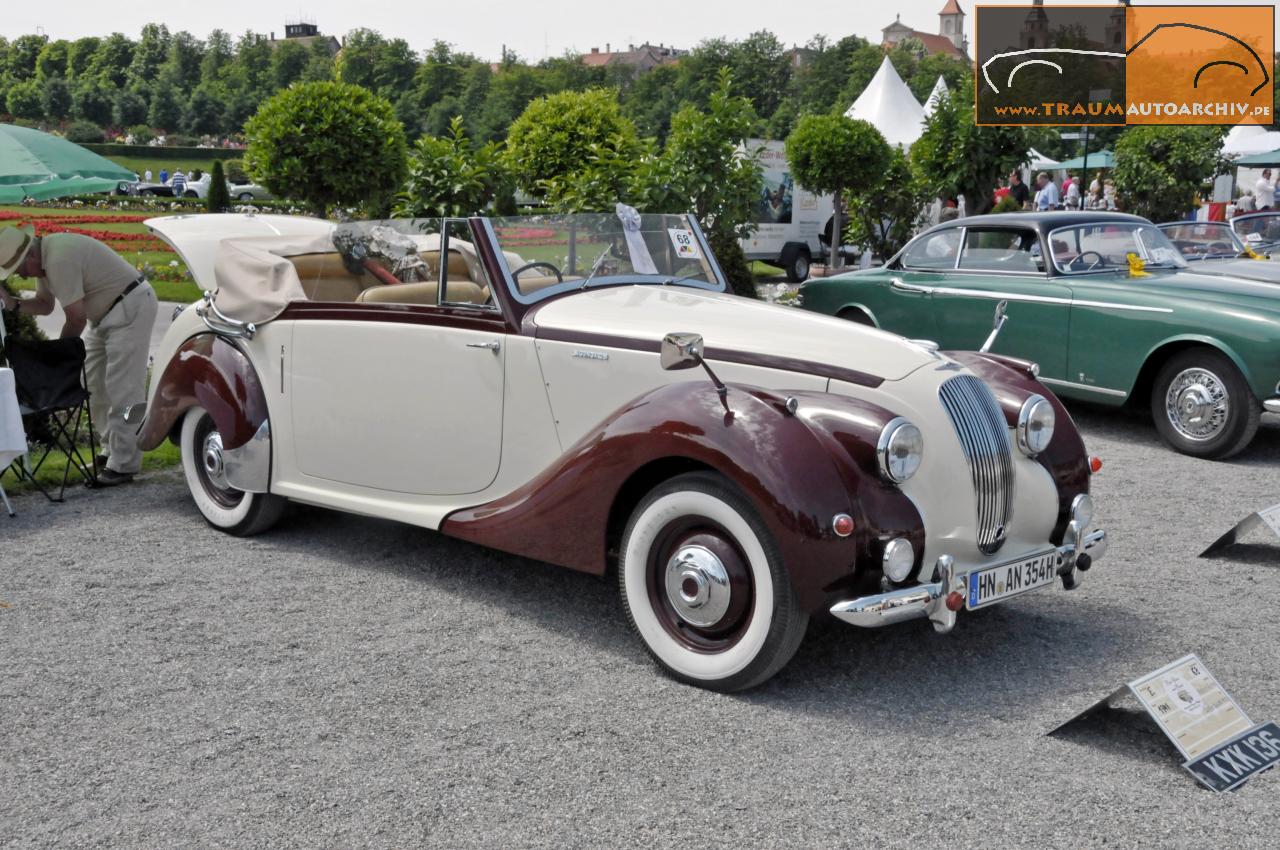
x=940 y=600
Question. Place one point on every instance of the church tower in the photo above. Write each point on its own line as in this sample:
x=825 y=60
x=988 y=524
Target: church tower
x=951 y=25
x=1035 y=31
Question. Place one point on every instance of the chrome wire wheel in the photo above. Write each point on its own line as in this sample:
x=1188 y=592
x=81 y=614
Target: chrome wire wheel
x=1198 y=404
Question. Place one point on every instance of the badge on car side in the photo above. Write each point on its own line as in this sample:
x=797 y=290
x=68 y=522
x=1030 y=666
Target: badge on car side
x=590 y=355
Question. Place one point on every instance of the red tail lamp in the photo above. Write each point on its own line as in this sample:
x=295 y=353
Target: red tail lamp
x=842 y=525
x=1095 y=464
x=955 y=600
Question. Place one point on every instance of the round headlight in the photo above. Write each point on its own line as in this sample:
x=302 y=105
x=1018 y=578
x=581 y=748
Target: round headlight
x=900 y=449
x=1035 y=425
x=1082 y=510
x=899 y=558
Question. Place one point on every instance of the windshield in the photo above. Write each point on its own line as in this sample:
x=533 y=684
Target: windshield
x=1103 y=246
x=1203 y=240
x=547 y=254
x=1257 y=229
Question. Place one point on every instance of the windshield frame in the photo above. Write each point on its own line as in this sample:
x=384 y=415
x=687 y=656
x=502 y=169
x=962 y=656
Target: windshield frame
x=1134 y=225
x=720 y=284
x=1254 y=216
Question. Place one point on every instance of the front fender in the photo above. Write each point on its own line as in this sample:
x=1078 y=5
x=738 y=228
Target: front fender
x=1259 y=384
x=211 y=372
x=797 y=478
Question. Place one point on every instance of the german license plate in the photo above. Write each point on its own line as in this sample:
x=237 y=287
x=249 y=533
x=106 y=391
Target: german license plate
x=996 y=584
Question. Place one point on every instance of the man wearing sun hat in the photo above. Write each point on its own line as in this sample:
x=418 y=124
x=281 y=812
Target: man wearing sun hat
x=96 y=288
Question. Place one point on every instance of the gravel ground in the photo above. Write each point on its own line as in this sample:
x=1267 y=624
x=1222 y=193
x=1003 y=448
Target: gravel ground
x=344 y=681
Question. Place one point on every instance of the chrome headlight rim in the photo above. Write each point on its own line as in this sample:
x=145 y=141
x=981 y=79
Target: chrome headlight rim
x=897 y=468
x=1082 y=510
x=1033 y=439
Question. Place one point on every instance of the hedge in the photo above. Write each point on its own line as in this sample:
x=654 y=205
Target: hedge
x=160 y=204
x=108 y=149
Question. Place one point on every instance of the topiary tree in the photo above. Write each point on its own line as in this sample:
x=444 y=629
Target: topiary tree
x=555 y=135
x=1159 y=170
x=450 y=177
x=831 y=153
x=219 y=197
x=235 y=171
x=883 y=213
x=327 y=143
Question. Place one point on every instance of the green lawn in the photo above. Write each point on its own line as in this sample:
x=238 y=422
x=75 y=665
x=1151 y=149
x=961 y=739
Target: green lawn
x=156 y=162
x=50 y=475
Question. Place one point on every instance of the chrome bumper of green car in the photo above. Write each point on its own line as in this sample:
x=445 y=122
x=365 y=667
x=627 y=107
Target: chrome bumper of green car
x=1271 y=405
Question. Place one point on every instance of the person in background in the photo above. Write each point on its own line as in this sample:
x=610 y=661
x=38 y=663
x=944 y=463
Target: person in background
x=1018 y=190
x=179 y=183
x=95 y=286
x=1244 y=203
x=1001 y=192
x=1264 y=191
x=164 y=176
x=1109 y=194
x=1071 y=188
x=1047 y=197
x=146 y=176
x=1094 y=200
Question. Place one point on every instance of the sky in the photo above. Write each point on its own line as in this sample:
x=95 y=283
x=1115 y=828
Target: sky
x=534 y=29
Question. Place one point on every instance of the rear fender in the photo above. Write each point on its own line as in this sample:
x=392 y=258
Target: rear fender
x=211 y=372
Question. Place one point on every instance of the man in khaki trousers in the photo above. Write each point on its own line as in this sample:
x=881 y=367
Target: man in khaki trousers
x=98 y=289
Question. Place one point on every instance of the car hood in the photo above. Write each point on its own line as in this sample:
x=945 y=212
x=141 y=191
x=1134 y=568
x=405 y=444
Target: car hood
x=648 y=313
x=1262 y=270
x=196 y=237
x=1211 y=287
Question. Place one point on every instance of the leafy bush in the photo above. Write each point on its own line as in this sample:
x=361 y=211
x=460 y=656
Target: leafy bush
x=235 y=171
x=1007 y=204
x=327 y=143
x=450 y=177
x=554 y=136
x=20 y=325
x=84 y=131
x=733 y=262
x=218 y=199
x=883 y=214
x=1160 y=170
x=141 y=135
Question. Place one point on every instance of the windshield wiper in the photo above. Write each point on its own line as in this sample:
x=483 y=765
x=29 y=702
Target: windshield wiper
x=595 y=267
x=672 y=281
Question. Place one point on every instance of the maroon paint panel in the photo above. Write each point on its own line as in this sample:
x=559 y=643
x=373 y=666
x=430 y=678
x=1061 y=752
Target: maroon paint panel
x=1065 y=459
x=797 y=478
x=210 y=372
x=453 y=316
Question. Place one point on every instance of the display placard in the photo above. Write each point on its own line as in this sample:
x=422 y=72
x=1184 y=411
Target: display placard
x=1236 y=761
x=685 y=243
x=1265 y=518
x=1190 y=706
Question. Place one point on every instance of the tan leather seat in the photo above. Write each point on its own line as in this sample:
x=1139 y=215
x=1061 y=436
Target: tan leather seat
x=459 y=292
x=325 y=278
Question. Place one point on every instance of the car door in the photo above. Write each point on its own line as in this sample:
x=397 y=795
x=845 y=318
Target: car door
x=401 y=396
x=1004 y=264
x=905 y=306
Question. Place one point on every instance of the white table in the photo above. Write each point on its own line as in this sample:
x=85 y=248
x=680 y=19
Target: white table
x=13 y=441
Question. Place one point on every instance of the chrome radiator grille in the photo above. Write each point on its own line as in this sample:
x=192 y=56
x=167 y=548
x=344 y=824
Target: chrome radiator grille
x=983 y=433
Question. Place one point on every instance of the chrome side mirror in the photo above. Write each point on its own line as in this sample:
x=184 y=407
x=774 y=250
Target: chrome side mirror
x=1000 y=318
x=681 y=351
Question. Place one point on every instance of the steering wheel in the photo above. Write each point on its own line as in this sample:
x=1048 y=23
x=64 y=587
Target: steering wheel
x=539 y=264
x=1080 y=258
x=1219 y=248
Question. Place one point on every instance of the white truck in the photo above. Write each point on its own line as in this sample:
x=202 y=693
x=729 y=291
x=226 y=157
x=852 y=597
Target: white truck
x=789 y=218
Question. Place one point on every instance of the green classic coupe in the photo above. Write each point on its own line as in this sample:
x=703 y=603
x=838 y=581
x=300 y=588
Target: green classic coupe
x=1102 y=302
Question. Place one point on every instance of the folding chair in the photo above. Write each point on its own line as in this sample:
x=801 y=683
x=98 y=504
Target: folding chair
x=54 y=404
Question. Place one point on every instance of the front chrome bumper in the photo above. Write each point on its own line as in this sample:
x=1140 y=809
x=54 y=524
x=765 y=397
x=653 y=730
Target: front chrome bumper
x=1076 y=554
x=1271 y=405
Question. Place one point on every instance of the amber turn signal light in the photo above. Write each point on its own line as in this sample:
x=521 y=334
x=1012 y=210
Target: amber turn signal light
x=1095 y=465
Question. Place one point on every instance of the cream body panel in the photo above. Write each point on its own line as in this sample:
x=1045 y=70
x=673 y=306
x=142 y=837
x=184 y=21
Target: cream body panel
x=727 y=321
x=395 y=407
x=585 y=390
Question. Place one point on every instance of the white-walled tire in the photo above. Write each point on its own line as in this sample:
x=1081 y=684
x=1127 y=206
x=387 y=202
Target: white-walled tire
x=705 y=588
x=224 y=507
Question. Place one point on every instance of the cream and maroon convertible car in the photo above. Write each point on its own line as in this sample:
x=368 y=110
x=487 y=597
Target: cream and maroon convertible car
x=581 y=390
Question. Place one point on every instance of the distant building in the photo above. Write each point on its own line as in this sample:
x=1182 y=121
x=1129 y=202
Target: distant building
x=641 y=58
x=799 y=57
x=949 y=40
x=306 y=33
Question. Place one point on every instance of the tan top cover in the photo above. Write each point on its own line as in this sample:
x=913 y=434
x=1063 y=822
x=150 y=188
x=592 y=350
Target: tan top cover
x=80 y=268
x=255 y=280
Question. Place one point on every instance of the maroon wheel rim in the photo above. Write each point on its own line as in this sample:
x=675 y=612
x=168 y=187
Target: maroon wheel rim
x=694 y=533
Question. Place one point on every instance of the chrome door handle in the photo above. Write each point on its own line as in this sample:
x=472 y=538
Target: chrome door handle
x=901 y=285
x=492 y=345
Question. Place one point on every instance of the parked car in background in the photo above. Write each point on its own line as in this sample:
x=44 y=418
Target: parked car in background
x=1260 y=230
x=582 y=390
x=1212 y=247
x=1102 y=302
x=140 y=189
x=237 y=191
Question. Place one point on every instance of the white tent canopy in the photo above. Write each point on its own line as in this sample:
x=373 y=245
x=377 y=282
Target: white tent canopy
x=940 y=91
x=1037 y=161
x=1245 y=139
x=888 y=105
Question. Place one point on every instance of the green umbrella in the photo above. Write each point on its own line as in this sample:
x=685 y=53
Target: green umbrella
x=1097 y=159
x=1258 y=160
x=41 y=166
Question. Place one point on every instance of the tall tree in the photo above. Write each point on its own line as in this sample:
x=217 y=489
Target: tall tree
x=55 y=98
x=112 y=59
x=288 y=62
x=80 y=55
x=165 y=112
x=182 y=65
x=149 y=55
x=52 y=61
x=1160 y=170
x=218 y=54
x=24 y=51
x=93 y=100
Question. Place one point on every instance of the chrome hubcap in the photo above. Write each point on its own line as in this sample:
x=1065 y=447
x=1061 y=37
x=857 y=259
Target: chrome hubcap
x=697 y=585
x=1197 y=404
x=211 y=457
